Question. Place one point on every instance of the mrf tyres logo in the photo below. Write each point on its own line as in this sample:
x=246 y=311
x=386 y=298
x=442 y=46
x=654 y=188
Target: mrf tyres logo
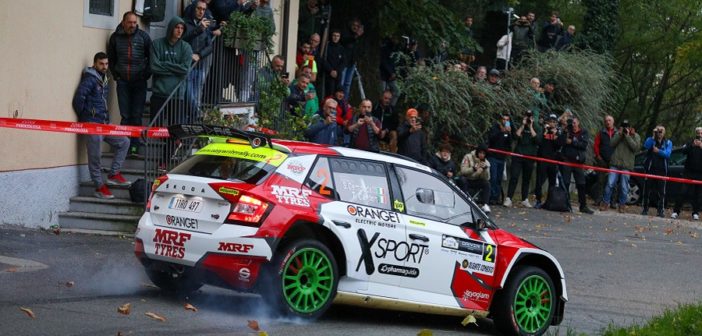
x=291 y=195
x=170 y=243
x=389 y=250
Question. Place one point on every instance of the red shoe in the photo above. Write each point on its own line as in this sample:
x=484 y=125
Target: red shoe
x=103 y=192
x=117 y=180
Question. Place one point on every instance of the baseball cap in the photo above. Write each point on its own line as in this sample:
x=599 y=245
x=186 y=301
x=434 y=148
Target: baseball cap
x=552 y=117
x=412 y=113
x=494 y=72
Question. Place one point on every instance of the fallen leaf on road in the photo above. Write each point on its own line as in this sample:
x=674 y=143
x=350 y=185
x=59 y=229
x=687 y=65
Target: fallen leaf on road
x=11 y=270
x=469 y=319
x=28 y=311
x=522 y=212
x=668 y=231
x=425 y=332
x=155 y=316
x=190 y=307
x=678 y=243
x=609 y=253
x=633 y=245
x=694 y=235
x=124 y=309
x=253 y=325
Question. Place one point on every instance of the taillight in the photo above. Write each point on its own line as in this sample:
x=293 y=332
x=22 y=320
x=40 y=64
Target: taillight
x=248 y=210
x=157 y=182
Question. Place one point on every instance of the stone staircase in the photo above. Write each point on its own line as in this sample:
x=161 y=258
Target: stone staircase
x=120 y=214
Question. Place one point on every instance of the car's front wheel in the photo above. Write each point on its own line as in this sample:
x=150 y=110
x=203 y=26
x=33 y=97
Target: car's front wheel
x=302 y=279
x=527 y=303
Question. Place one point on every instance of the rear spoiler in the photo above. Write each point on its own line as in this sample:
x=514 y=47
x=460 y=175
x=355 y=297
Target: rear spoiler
x=255 y=139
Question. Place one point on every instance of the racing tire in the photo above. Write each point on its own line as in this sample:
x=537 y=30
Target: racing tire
x=301 y=280
x=174 y=282
x=527 y=303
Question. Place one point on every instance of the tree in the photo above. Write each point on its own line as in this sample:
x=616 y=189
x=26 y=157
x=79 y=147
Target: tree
x=600 y=26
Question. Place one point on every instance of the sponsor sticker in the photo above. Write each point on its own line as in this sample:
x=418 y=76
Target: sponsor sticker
x=169 y=243
x=291 y=195
x=416 y=222
x=228 y=191
x=182 y=222
x=234 y=247
x=476 y=296
x=374 y=216
x=244 y=274
x=387 y=249
x=296 y=167
x=399 y=205
x=410 y=272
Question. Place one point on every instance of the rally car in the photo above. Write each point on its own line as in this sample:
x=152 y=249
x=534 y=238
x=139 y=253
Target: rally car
x=307 y=225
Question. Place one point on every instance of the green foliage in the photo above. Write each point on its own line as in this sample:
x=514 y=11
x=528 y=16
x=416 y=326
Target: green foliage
x=685 y=320
x=601 y=25
x=466 y=109
x=427 y=21
x=247 y=31
x=213 y=116
x=272 y=115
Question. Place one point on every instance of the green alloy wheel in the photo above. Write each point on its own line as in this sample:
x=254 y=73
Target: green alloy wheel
x=527 y=303
x=306 y=279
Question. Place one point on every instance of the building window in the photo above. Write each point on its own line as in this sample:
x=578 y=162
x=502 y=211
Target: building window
x=101 y=14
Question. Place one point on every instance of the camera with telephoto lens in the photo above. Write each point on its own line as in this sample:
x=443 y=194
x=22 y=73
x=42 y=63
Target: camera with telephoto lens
x=569 y=125
x=529 y=117
x=625 y=126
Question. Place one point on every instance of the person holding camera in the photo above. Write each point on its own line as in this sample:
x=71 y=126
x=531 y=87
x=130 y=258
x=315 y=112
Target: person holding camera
x=411 y=138
x=475 y=174
x=364 y=128
x=603 y=154
x=658 y=150
x=323 y=128
x=549 y=148
x=527 y=136
x=550 y=33
x=693 y=171
x=624 y=144
x=499 y=137
x=574 y=143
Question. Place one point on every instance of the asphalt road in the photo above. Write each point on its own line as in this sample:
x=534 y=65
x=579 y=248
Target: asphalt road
x=620 y=269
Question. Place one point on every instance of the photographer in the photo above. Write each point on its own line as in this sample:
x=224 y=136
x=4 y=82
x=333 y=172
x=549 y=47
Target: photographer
x=574 y=141
x=527 y=143
x=693 y=171
x=323 y=128
x=411 y=138
x=624 y=144
x=364 y=128
x=475 y=174
x=499 y=137
x=658 y=150
x=549 y=148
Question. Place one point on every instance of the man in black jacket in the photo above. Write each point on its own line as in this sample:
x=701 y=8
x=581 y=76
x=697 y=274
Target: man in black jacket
x=411 y=138
x=549 y=148
x=333 y=63
x=693 y=171
x=128 y=52
x=500 y=137
x=574 y=141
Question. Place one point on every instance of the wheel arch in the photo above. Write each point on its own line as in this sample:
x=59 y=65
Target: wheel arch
x=305 y=229
x=549 y=264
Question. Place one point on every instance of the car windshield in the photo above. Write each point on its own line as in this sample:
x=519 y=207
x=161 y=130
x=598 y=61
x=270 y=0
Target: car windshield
x=225 y=168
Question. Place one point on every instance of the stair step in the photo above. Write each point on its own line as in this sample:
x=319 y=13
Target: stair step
x=87 y=189
x=130 y=174
x=115 y=206
x=129 y=163
x=93 y=221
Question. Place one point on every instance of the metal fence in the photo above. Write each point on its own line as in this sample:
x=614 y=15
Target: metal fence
x=227 y=78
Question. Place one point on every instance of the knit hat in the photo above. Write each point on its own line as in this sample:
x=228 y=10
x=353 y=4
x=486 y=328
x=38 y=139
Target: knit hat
x=412 y=113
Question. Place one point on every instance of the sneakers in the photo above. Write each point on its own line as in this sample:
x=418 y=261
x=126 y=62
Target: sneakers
x=674 y=215
x=117 y=180
x=525 y=203
x=586 y=210
x=486 y=208
x=537 y=205
x=507 y=202
x=103 y=192
x=604 y=206
x=695 y=216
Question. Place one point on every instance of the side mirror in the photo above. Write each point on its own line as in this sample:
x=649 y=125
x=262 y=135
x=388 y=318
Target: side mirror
x=425 y=196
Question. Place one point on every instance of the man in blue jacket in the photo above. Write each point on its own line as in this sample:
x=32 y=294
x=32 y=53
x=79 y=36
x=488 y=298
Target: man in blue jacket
x=90 y=103
x=658 y=150
x=323 y=129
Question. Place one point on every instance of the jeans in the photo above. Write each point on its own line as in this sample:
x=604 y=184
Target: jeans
x=195 y=83
x=346 y=79
x=120 y=145
x=131 y=97
x=623 y=187
x=497 y=168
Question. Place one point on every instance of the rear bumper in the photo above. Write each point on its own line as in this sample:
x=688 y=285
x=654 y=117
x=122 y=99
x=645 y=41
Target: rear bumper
x=227 y=256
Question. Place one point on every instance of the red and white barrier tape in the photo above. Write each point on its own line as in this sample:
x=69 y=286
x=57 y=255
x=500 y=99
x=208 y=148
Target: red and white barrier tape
x=600 y=169
x=83 y=128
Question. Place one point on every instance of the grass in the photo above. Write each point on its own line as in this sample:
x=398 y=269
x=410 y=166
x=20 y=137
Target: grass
x=684 y=320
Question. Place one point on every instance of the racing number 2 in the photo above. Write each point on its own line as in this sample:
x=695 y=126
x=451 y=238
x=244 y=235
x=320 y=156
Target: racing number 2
x=488 y=253
x=324 y=173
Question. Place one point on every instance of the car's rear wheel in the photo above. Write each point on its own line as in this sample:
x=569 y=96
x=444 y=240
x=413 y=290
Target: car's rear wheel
x=634 y=195
x=302 y=279
x=527 y=303
x=179 y=281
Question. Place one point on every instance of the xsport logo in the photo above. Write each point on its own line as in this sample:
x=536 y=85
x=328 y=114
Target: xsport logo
x=388 y=249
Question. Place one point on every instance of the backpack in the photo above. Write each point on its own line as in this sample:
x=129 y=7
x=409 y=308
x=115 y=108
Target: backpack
x=558 y=198
x=139 y=191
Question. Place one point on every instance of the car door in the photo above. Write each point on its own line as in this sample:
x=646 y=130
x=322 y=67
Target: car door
x=362 y=217
x=458 y=263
